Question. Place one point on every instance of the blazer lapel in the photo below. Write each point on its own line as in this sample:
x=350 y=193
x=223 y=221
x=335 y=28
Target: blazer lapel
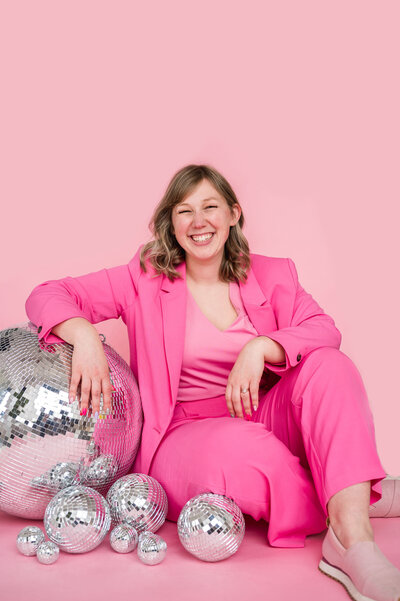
x=258 y=307
x=173 y=307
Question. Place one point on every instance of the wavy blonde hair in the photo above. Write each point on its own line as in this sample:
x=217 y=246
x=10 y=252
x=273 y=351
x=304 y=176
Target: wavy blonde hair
x=164 y=252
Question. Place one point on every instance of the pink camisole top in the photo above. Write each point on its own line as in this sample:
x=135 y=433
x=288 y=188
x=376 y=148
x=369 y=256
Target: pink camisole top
x=210 y=353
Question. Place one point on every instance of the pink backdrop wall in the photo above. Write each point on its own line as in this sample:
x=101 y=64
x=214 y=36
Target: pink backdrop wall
x=296 y=103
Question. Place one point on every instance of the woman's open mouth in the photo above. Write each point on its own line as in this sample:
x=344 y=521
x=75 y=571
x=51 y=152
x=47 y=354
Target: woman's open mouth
x=202 y=239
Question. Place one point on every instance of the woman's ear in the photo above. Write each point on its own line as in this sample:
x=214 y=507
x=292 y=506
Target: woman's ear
x=236 y=212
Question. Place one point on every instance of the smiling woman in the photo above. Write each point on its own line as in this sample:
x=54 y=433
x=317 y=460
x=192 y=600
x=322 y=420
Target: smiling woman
x=217 y=332
x=202 y=229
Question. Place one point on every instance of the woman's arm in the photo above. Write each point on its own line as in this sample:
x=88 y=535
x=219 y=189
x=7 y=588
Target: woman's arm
x=273 y=351
x=70 y=302
x=309 y=328
x=70 y=329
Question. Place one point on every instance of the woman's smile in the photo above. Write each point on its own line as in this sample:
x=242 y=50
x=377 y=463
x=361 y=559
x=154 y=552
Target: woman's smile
x=202 y=239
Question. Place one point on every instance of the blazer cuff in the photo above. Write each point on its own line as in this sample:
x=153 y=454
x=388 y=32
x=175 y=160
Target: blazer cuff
x=44 y=328
x=293 y=356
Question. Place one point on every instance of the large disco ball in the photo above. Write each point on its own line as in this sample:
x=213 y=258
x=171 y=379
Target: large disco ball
x=140 y=501
x=77 y=519
x=45 y=444
x=211 y=526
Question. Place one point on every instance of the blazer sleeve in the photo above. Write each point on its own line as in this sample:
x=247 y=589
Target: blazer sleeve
x=310 y=328
x=96 y=296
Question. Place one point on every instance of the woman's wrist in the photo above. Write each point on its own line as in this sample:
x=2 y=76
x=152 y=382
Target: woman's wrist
x=273 y=351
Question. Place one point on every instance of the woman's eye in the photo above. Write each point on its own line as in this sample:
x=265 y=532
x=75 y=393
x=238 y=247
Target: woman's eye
x=207 y=207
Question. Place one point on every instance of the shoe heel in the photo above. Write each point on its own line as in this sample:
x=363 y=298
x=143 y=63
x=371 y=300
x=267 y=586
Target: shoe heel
x=337 y=574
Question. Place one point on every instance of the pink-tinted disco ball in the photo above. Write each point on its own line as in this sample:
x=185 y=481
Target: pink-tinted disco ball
x=45 y=444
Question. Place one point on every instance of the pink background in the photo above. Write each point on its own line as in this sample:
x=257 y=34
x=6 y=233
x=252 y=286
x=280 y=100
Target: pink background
x=296 y=103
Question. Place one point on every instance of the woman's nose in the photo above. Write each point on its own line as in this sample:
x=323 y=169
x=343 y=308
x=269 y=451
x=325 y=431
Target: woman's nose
x=198 y=219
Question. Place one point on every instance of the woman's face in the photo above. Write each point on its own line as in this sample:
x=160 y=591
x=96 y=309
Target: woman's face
x=201 y=222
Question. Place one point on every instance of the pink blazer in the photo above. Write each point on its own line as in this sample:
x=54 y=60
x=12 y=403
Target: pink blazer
x=154 y=311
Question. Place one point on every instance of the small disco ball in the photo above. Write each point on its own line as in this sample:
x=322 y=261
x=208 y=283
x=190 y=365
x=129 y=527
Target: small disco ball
x=151 y=548
x=47 y=552
x=60 y=476
x=211 y=527
x=123 y=538
x=45 y=444
x=77 y=519
x=139 y=500
x=101 y=470
x=28 y=540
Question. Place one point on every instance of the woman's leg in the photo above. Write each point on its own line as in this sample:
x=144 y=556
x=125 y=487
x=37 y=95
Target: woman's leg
x=348 y=514
x=205 y=449
x=320 y=410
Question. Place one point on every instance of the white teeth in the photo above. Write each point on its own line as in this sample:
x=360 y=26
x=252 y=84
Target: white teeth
x=201 y=238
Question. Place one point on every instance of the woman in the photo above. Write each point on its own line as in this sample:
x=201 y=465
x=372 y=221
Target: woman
x=217 y=332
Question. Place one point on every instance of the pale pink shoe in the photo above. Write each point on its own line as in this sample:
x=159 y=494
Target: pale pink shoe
x=388 y=505
x=363 y=569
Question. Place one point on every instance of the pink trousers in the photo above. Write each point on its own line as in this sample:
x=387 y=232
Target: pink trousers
x=311 y=436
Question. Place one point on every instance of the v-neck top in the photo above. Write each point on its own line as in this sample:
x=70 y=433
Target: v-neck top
x=210 y=353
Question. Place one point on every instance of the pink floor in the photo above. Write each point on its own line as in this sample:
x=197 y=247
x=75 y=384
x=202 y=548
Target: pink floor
x=256 y=571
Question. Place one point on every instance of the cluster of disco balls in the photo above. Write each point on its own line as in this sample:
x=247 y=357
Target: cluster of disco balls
x=210 y=526
x=78 y=518
x=71 y=470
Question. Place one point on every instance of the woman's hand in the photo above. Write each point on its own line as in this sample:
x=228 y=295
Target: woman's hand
x=90 y=370
x=246 y=374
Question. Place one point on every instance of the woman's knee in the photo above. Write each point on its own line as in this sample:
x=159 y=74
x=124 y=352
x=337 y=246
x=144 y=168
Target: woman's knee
x=330 y=359
x=329 y=373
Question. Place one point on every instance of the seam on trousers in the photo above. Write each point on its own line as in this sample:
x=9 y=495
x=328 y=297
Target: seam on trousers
x=321 y=472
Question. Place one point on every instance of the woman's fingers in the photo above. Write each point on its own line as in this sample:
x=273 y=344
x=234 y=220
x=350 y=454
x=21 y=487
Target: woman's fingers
x=107 y=391
x=236 y=401
x=85 y=392
x=254 y=387
x=89 y=394
x=245 y=396
x=228 y=398
x=73 y=387
x=95 y=398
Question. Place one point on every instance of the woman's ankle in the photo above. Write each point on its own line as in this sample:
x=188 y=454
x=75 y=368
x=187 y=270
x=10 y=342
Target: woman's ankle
x=351 y=532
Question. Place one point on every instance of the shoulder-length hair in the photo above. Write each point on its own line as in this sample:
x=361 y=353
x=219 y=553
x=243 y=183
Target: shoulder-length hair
x=164 y=252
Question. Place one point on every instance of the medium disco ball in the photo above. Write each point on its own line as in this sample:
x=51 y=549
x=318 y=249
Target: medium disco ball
x=45 y=444
x=138 y=500
x=77 y=519
x=211 y=527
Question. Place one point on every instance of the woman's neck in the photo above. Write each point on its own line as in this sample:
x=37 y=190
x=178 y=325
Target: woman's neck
x=202 y=274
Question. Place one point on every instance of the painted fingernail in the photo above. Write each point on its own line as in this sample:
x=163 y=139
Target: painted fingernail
x=108 y=411
x=84 y=411
x=255 y=407
x=71 y=398
x=232 y=415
